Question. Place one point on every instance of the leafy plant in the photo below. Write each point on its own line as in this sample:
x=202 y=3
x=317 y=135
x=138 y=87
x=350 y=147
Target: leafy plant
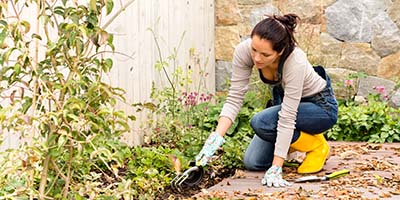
x=58 y=101
x=372 y=122
x=151 y=171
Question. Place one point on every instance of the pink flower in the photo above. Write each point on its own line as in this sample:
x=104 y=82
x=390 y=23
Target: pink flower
x=380 y=89
x=348 y=83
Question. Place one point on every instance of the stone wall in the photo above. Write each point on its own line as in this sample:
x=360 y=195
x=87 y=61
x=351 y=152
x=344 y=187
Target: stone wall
x=345 y=36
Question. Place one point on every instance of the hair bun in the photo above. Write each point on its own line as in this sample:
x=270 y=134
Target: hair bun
x=290 y=20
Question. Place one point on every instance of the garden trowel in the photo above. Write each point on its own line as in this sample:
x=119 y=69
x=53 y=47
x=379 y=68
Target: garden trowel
x=333 y=175
x=188 y=178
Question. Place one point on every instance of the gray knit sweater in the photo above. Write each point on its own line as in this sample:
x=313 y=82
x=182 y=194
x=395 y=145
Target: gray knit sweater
x=298 y=80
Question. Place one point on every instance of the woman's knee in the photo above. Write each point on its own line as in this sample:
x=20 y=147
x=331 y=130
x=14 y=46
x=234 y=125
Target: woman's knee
x=250 y=164
x=254 y=123
x=266 y=119
x=264 y=126
x=262 y=122
x=253 y=163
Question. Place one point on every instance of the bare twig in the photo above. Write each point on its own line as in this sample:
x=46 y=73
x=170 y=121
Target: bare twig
x=122 y=9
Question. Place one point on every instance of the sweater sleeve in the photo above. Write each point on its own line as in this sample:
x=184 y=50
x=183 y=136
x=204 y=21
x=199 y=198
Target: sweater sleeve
x=241 y=71
x=293 y=77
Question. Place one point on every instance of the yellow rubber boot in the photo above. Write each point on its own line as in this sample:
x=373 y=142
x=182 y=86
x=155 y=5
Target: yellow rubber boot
x=317 y=150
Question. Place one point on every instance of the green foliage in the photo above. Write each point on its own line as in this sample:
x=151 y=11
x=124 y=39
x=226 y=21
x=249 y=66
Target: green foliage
x=151 y=171
x=372 y=122
x=59 y=103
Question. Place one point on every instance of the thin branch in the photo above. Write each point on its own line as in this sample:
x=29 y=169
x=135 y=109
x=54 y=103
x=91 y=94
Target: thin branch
x=122 y=9
x=59 y=173
x=124 y=54
x=68 y=178
x=161 y=59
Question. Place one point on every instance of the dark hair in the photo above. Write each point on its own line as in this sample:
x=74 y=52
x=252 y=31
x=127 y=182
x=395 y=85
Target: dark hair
x=279 y=31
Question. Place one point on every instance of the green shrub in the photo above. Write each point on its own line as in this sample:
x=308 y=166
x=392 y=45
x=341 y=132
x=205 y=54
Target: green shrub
x=374 y=121
x=151 y=171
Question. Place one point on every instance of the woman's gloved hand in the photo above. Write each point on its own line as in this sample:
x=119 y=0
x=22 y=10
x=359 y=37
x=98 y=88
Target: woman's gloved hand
x=273 y=177
x=213 y=142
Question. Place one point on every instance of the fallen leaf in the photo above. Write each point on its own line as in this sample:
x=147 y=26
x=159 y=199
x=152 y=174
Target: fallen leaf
x=349 y=155
x=239 y=174
x=397 y=192
x=176 y=163
x=385 y=195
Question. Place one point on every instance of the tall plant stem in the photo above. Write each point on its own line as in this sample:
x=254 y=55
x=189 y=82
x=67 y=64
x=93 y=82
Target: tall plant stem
x=43 y=177
x=165 y=72
x=68 y=178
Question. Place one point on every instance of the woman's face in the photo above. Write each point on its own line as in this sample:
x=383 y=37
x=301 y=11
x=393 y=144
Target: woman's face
x=262 y=53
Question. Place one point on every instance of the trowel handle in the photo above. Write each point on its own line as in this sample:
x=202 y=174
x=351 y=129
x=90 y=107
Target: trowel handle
x=338 y=174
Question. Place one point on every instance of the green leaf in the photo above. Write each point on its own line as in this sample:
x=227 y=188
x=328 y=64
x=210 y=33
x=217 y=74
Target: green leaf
x=36 y=36
x=110 y=41
x=108 y=63
x=119 y=114
x=93 y=21
x=3 y=22
x=26 y=25
x=132 y=117
x=3 y=35
x=17 y=69
x=51 y=139
x=74 y=117
x=109 y=6
x=80 y=46
x=61 y=141
x=26 y=105
x=8 y=53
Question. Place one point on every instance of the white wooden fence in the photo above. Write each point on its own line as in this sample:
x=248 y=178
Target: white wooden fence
x=169 y=19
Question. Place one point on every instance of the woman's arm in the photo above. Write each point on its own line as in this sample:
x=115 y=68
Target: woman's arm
x=241 y=72
x=278 y=161
x=224 y=123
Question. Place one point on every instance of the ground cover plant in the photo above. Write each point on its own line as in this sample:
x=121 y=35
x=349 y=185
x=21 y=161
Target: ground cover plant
x=373 y=120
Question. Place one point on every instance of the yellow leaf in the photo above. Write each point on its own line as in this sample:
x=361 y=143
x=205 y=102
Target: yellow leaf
x=378 y=178
x=93 y=6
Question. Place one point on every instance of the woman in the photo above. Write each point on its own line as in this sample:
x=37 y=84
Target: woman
x=303 y=105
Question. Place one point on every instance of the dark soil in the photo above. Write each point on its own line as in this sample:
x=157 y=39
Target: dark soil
x=211 y=178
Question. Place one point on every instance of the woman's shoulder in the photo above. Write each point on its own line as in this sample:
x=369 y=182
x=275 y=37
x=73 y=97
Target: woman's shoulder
x=244 y=46
x=243 y=53
x=297 y=56
x=298 y=53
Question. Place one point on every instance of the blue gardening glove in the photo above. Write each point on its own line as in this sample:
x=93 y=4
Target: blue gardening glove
x=213 y=142
x=273 y=177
